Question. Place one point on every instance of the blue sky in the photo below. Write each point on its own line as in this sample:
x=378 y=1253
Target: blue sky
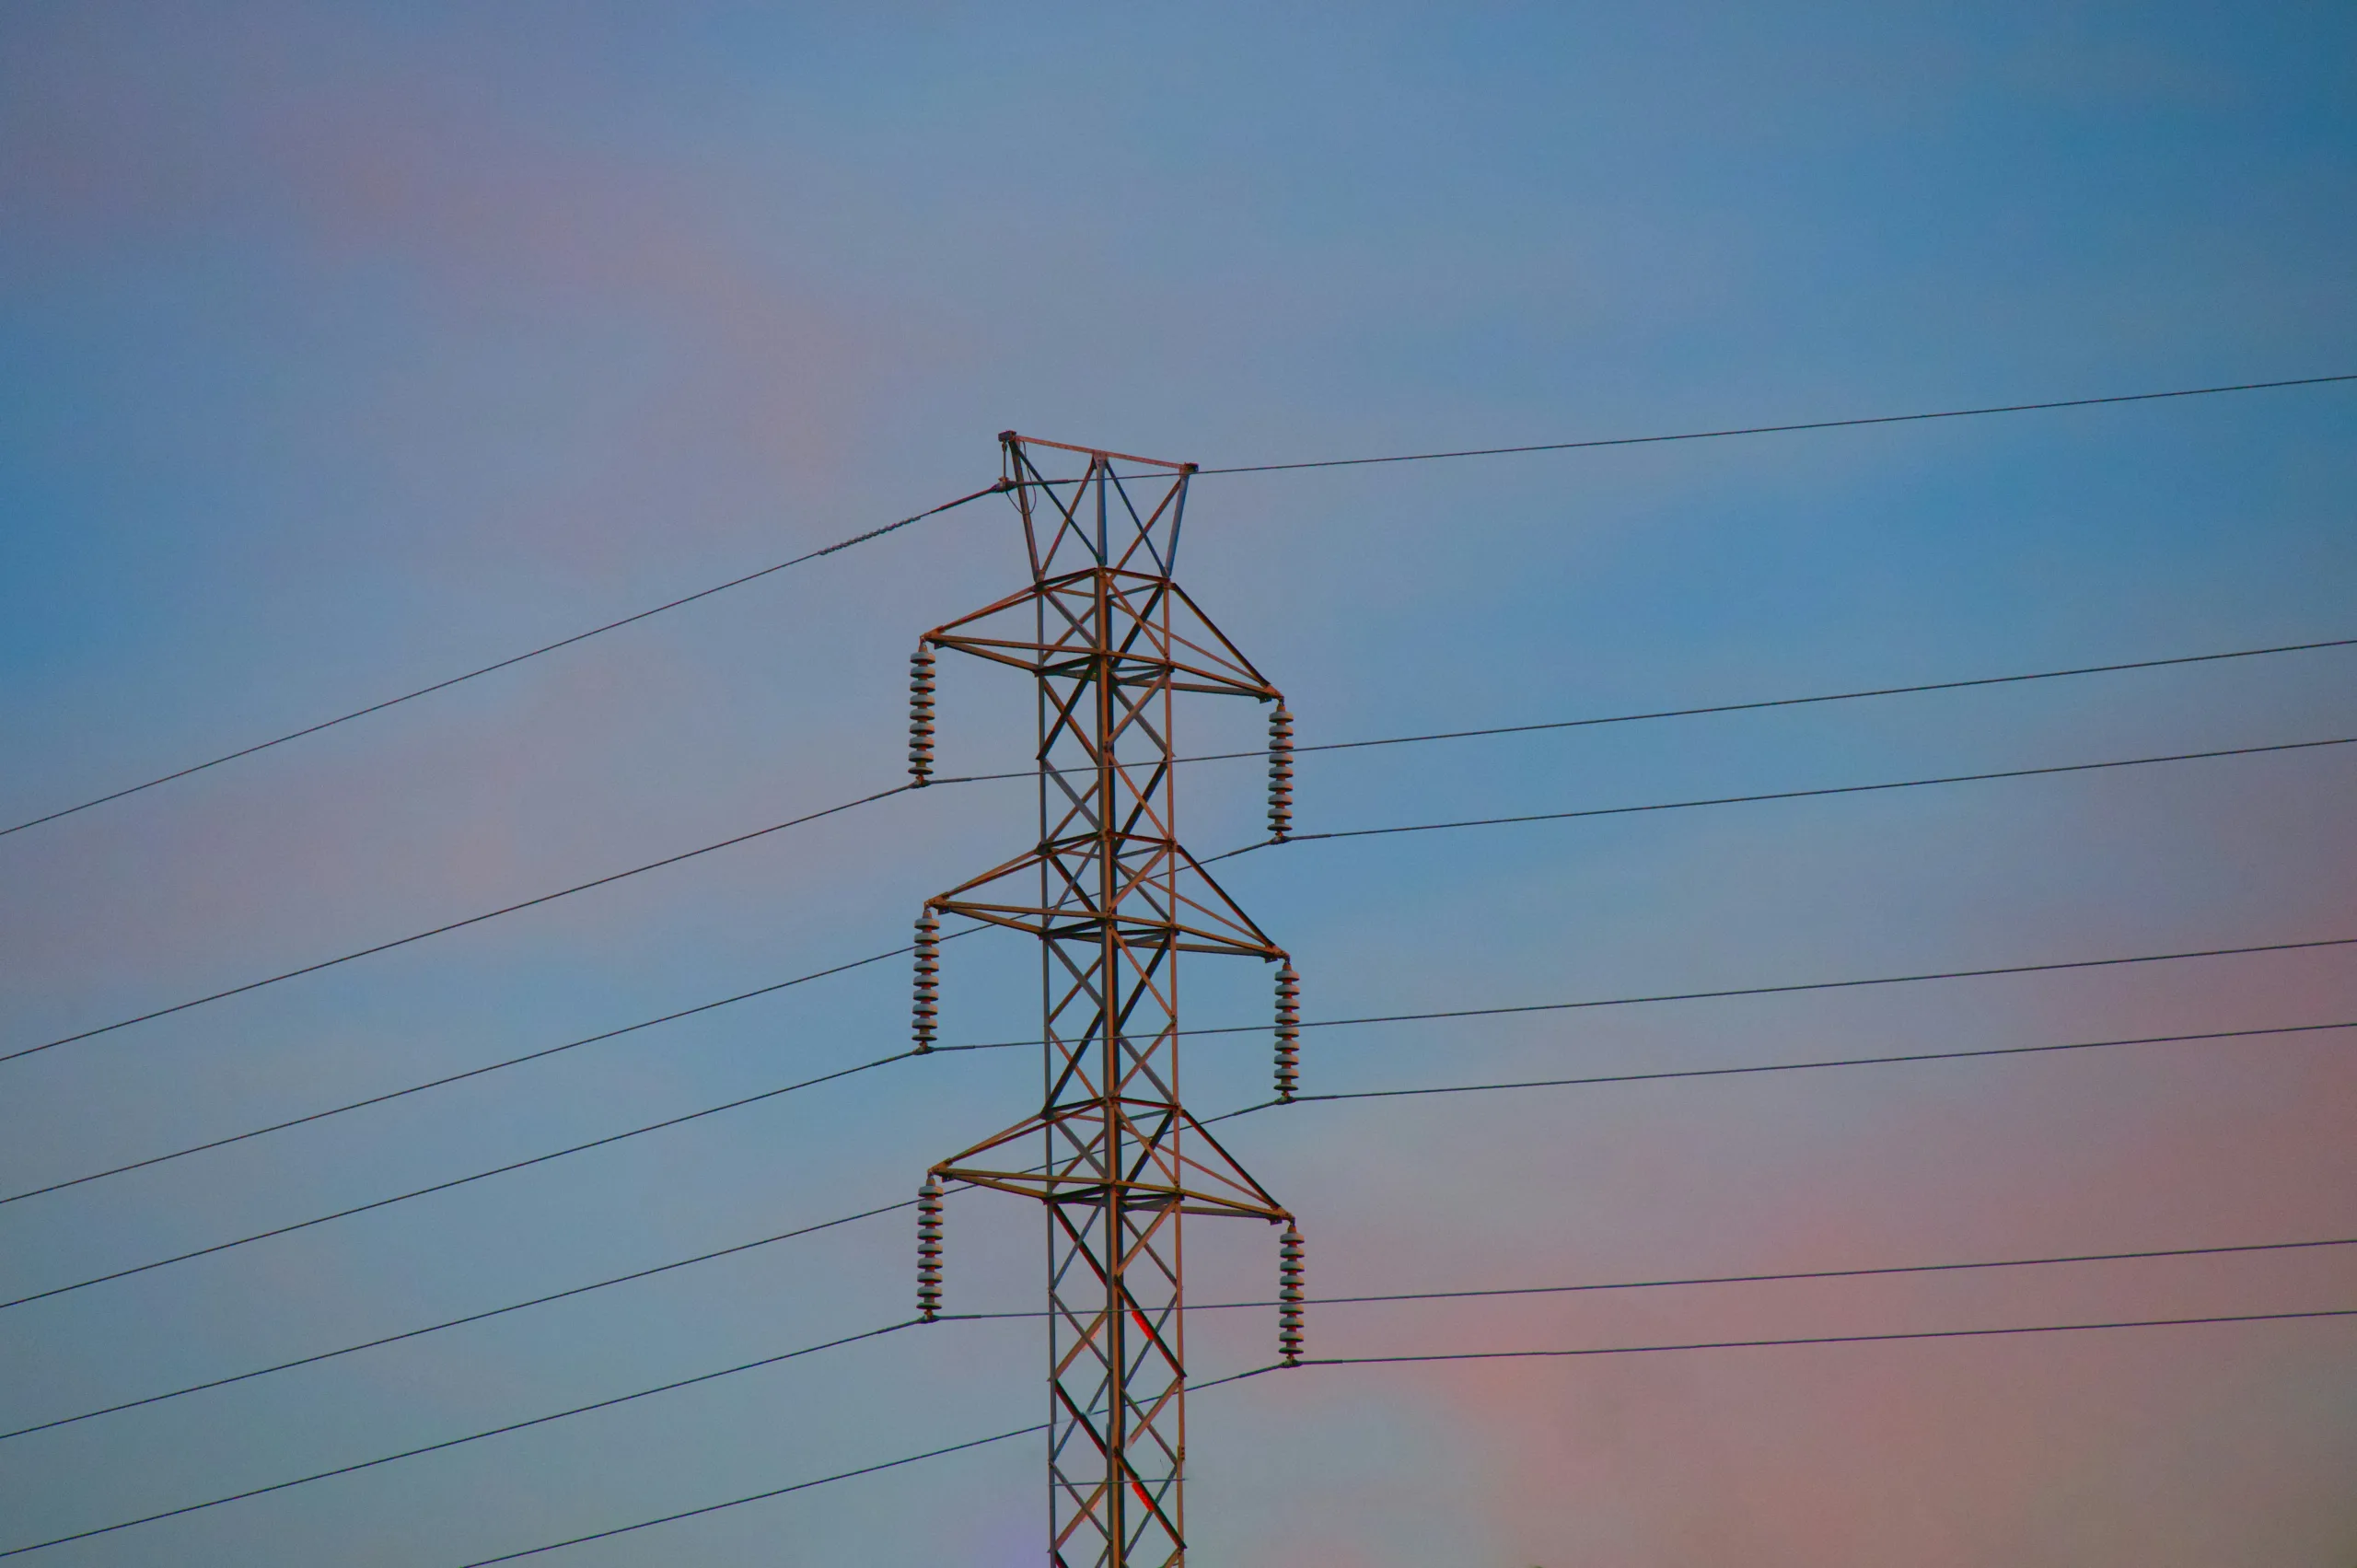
x=354 y=346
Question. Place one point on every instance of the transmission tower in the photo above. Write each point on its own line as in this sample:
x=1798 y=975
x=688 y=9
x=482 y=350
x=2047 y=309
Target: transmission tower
x=1113 y=899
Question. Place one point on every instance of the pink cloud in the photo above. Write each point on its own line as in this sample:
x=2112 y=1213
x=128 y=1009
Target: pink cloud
x=2176 y=1446
x=719 y=368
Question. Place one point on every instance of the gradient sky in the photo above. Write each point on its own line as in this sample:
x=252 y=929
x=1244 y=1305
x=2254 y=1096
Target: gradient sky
x=350 y=346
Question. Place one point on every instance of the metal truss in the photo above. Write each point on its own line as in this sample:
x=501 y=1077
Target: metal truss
x=1113 y=897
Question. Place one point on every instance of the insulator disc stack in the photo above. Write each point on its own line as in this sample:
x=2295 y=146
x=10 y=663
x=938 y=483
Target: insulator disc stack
x=1279 y=773
x=1288 y=1034
x=927 y=1010
x=1288 y=1276
x=929 y=1250
x=921 y=716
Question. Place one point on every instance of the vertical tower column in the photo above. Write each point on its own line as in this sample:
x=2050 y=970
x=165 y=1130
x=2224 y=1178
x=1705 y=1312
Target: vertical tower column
x=1113 y=899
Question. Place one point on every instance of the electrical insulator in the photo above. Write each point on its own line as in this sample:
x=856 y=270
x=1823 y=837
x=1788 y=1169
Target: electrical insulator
x=921 y=716
x=928 y=989
x=1288 y=1034
x=1289 y=1297
x=929 y=1250
x=1279 y=773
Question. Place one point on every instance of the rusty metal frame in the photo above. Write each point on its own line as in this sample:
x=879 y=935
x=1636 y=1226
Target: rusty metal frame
x=1111 y=641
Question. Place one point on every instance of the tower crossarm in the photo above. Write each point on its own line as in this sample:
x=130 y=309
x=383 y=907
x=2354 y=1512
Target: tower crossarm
x=1162 y=890
x=1154 y=1170
x=1166 y=636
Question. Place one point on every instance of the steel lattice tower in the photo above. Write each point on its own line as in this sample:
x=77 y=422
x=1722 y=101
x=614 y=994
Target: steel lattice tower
x=1113 y=899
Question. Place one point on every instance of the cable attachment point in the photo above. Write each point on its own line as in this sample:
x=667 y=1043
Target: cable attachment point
x=1279 y=773
x=921 y=716
x=1289 y=1273
x=929 y=1250
x=927 y=1010
x=1288 y=1034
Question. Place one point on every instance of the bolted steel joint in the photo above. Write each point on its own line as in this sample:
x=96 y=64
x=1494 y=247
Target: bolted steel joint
x=926 y=1011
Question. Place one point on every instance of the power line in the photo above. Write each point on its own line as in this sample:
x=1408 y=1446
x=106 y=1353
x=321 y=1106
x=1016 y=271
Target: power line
x=519 y=1426
x=1370 y=1095
x=460 y=1322
x=1246 y=1110
x=866 y=1066
x=1831 y=1339
x=1248 y=468
x=1804 y=702
x=1786 y=429
x=1786 y=1066
x=1635 y=1077
x=822 y=1481
x=765 y=1496
x=455 y=1181
x=1734 y=1279
x=453 y=925
x=1321 y=1023
x=1390 y=740
x=1395 y=1296
x=1320 y=1361
x=1792 y=794
x=1756 y=706
x=450 y=1078
x=1367 y=1093
x=503 y=664
x=1351 y=1360
x=455 y=1442
x=1744 y=991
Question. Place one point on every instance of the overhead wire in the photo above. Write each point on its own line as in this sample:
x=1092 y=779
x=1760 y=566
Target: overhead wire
x=1388 y=740
x=2052 y=966
x=1854 y=1273
x=455 y=1181
x=449 y=1078
x=1318 y=1361
x=1208 y=1306
x=456 y=1442
x=1453 y=1013
x=342 y=1214
x=459 y=1322
x=502 y=664
x=1834 y=1339
x=451 y=926
x=758 y=1496
x=1349 y=1361
x=1786 y=794
x=1784 y=429
x=1347 y=833
x=1917 y=688
x=448 y=1442
x=1662 y=1075
x=1615 y=1078
x=1233 y=469
x=1351 y=1022
x=1787 y=1277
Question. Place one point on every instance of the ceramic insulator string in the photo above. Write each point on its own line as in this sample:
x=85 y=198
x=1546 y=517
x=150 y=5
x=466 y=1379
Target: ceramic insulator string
x=921 y=716
x=929 y=1250
x=1289 y=1289
x=1288 y=1033
x=1279 y=773
x=927 y=1012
